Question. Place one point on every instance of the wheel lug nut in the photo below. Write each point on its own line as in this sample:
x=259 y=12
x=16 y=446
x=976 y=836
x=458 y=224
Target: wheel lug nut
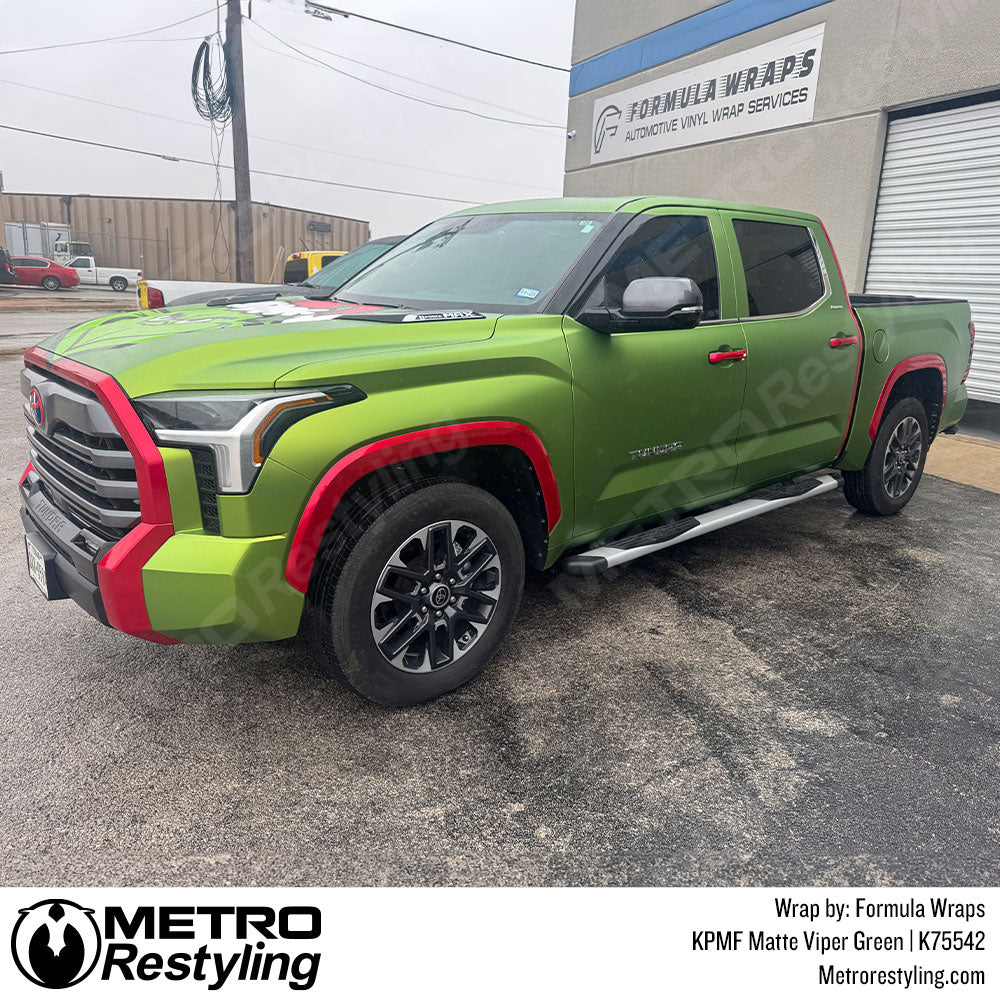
x=437 y=614
x=451 y=580
x=423 y=590
x=423 y=609
x=454 y=600
x=437 y=576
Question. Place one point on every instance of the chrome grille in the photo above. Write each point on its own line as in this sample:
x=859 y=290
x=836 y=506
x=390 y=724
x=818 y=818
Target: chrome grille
x=85 y=468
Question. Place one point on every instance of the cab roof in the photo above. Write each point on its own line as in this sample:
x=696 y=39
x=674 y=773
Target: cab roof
x=631 y=204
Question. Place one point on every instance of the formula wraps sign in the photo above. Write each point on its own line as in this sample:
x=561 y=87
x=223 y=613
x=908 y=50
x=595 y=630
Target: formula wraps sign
x=763 y=88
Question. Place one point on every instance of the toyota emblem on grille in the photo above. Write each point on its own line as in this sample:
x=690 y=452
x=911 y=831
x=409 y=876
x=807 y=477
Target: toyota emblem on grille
x=35 y=405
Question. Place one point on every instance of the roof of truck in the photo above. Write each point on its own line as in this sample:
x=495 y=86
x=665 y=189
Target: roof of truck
x=620 y=203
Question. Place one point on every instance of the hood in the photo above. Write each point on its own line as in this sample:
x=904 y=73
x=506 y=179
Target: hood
x=251 y=345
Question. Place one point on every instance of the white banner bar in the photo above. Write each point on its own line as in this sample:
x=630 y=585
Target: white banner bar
x=465 y=943
x=767 y=87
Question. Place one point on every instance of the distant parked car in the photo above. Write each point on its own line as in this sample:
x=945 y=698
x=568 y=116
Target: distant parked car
x=7 y=274
x=119 y=278
x=44 y=272
x=304 y=264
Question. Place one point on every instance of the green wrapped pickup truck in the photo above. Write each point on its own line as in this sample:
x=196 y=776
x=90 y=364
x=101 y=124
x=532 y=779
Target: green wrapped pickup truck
x=571 y=381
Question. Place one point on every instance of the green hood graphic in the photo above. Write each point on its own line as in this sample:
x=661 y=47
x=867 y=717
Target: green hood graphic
x=252 y=345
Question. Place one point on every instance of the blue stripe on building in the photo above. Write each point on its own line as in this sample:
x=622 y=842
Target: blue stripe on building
x=727 y=20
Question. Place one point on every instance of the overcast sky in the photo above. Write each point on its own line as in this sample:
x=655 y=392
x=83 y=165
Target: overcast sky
x=357 y=134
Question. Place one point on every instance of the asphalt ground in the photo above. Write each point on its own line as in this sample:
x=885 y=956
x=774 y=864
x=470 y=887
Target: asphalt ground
x=808 y=698
x=23 y=328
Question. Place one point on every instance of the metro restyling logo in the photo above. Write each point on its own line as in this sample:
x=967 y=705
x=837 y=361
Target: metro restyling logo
x=57 y=943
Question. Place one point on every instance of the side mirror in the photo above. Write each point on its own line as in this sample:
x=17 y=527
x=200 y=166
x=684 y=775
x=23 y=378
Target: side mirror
x=648 y=304
x=662 y=303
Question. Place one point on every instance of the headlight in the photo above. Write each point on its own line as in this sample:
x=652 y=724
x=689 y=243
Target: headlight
x=240 y=428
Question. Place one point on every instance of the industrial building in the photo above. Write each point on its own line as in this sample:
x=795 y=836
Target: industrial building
x=880 y=116
x=170 y=237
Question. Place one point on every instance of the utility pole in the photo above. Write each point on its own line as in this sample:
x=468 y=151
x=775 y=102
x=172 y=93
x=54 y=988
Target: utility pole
x=241 y=152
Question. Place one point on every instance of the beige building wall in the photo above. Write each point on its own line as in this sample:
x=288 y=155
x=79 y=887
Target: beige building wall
x=878 y=55
x=174 y=238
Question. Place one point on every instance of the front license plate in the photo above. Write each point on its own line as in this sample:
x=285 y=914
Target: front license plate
x=36 y=568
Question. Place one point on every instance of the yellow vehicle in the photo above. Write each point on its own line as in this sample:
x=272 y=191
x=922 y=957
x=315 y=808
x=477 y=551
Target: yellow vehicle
x=306 y=263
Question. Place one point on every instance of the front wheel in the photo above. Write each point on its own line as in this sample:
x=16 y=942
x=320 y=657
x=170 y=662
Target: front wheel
x=51 y=283
x=119 y=284
x=424 y=598
x=895 y=463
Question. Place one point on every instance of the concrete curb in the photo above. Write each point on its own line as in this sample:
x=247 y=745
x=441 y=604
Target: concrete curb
x=87 y=305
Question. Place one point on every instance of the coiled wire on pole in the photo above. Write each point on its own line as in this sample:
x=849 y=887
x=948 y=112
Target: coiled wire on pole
x=210 y=87
x=212 y=94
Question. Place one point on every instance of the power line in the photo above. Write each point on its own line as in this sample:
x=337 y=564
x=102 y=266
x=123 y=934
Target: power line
x=113 y=38
x=209 y=163
x=277 y=142
x=409 y=79
x=439 y=38
x=398 y=93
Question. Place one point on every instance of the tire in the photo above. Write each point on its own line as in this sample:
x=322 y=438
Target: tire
x=119 y=284
x=895 y=463
x=50 y=282
x=358 y=629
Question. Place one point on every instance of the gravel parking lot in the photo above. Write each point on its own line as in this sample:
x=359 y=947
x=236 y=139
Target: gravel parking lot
x=808 y=698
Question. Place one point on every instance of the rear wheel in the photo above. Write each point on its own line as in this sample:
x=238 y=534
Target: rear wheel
x=51 y=282
x=119 y=284
x=895 y=463
x=424 y=598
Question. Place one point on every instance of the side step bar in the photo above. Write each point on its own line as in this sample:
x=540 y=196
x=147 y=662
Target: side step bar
x=631 y=547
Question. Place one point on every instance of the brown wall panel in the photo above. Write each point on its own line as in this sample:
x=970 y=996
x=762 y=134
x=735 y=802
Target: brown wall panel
x=176 y=238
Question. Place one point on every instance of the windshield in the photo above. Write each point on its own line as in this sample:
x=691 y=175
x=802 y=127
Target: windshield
x=344 y=268
x=498 y=263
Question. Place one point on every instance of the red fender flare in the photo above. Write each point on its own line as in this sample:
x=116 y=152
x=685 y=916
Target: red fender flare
x=119 y=573
x=921 y=362
x=349 y=469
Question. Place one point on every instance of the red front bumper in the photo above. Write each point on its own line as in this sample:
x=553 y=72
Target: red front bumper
x=119 y=572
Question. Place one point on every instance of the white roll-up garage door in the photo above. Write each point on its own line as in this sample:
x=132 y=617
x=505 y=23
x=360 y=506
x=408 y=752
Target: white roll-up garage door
x=937 y=222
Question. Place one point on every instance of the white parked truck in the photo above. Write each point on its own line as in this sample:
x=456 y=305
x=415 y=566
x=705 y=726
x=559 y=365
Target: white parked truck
x=66 y=250
x=119 y=278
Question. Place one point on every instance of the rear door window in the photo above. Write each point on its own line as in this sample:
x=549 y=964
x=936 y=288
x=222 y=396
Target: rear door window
x=29 y=262
x=781 y=267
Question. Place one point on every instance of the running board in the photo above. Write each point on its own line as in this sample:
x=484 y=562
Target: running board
x=631 y=547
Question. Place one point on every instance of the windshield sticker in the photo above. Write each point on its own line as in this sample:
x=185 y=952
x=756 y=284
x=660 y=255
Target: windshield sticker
x=587 y=227
x=529 y=293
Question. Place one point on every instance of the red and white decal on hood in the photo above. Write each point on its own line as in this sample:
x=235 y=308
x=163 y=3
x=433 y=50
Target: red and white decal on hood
x=304 y=311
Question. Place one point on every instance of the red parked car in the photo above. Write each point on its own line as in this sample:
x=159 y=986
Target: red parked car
x=47 y=273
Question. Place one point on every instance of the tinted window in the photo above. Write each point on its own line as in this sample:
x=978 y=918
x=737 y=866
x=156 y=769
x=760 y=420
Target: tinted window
x=667 y=246
x=80 y=262
x=29 y=262
x=296 y=271
x=327 y=258
x=780 y=265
